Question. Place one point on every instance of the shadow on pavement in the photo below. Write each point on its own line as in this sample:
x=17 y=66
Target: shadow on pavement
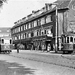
x=7 y=68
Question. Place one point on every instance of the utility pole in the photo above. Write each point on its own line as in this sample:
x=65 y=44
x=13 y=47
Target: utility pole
x=56 y=35
x=56 y=26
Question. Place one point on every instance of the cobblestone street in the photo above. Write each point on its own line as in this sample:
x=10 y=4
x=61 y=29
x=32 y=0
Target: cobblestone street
x=37 y=63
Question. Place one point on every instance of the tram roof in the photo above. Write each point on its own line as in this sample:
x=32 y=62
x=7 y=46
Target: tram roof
x=69 y=34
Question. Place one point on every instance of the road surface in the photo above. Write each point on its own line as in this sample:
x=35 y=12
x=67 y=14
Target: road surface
x=36 y=63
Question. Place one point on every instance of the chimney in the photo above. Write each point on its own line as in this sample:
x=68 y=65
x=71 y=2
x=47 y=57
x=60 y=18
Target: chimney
x=48 y=6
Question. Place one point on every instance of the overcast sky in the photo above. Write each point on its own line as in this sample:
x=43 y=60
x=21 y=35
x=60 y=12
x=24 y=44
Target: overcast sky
x=17 y=9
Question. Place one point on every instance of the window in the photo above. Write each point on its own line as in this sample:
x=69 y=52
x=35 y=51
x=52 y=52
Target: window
x=67 y=39
x=26 y=26
x=10 y=41
x=42 y=21
x=21 y=28
x=45 y=31
x=32 y=24
x=2 y=40
x=42 y=32
x=29 y=35
x=29 y=25
x=35 y=23
x=71 y=39
x=32 y=34
x=22 y=36
x=35 y=33
x=39 y=22
x=48 y=18
x=19 y=36
x=18 y=29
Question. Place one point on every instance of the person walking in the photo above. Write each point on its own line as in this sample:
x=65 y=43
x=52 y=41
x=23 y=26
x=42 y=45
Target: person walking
x=18 y=48
x=48 y=47
x=43 y=48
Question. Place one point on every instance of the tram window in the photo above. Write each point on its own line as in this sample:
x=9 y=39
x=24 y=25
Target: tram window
x=10 y=41
x=71 y=39
x=2 y=40
x=74 y=40
x=67 y=39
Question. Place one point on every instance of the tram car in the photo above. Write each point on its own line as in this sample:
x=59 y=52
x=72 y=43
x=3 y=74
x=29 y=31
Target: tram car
x=68 y=42
x=6 y=45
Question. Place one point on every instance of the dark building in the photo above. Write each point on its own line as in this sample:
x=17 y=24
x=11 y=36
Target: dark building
x=39 y=27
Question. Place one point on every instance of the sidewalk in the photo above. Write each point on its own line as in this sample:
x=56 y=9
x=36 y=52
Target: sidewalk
x=65 y=60
x=67 y=56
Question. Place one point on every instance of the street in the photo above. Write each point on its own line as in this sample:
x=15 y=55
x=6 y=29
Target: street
x=36 y=63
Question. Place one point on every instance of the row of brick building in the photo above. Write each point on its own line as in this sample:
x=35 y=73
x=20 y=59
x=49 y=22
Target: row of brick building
x=38 y=28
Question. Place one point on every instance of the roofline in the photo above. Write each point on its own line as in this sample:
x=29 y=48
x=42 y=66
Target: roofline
x=40 y=15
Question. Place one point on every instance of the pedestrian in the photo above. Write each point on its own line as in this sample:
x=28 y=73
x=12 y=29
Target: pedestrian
x=48 y=47
x=43 y=48
x=18 y=48
x=0 y=48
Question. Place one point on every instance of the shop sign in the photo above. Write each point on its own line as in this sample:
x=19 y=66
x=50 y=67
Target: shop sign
x=72 y=26
x=49 y=34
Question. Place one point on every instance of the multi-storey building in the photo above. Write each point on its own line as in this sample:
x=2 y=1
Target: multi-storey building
x=39 y=27
x=5 y=33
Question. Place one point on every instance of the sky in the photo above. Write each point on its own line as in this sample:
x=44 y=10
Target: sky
x=14 y=10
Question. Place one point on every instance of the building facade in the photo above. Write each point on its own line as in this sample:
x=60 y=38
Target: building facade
x=5 y=33
x=39 y=27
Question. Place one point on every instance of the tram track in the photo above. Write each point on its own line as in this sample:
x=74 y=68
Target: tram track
x=46 y=62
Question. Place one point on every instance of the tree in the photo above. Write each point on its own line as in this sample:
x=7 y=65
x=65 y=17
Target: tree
x=2 y=2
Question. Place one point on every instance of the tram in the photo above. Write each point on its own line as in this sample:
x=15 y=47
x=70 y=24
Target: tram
x=6 y=45
x=68 y=42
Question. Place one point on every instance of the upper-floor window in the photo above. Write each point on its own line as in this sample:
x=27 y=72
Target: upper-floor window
x=42 y=20
x=26 y=26
x=42 y=32
x=29 y=34
x=48 y=18
x=29 y=25
x=32 y=24
x=39 y=22
x=35 y=33
x=35 y=23
x=21 y=35
x=21 y=28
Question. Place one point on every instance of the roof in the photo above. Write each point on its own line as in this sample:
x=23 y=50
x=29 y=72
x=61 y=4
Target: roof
x=62 y=4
